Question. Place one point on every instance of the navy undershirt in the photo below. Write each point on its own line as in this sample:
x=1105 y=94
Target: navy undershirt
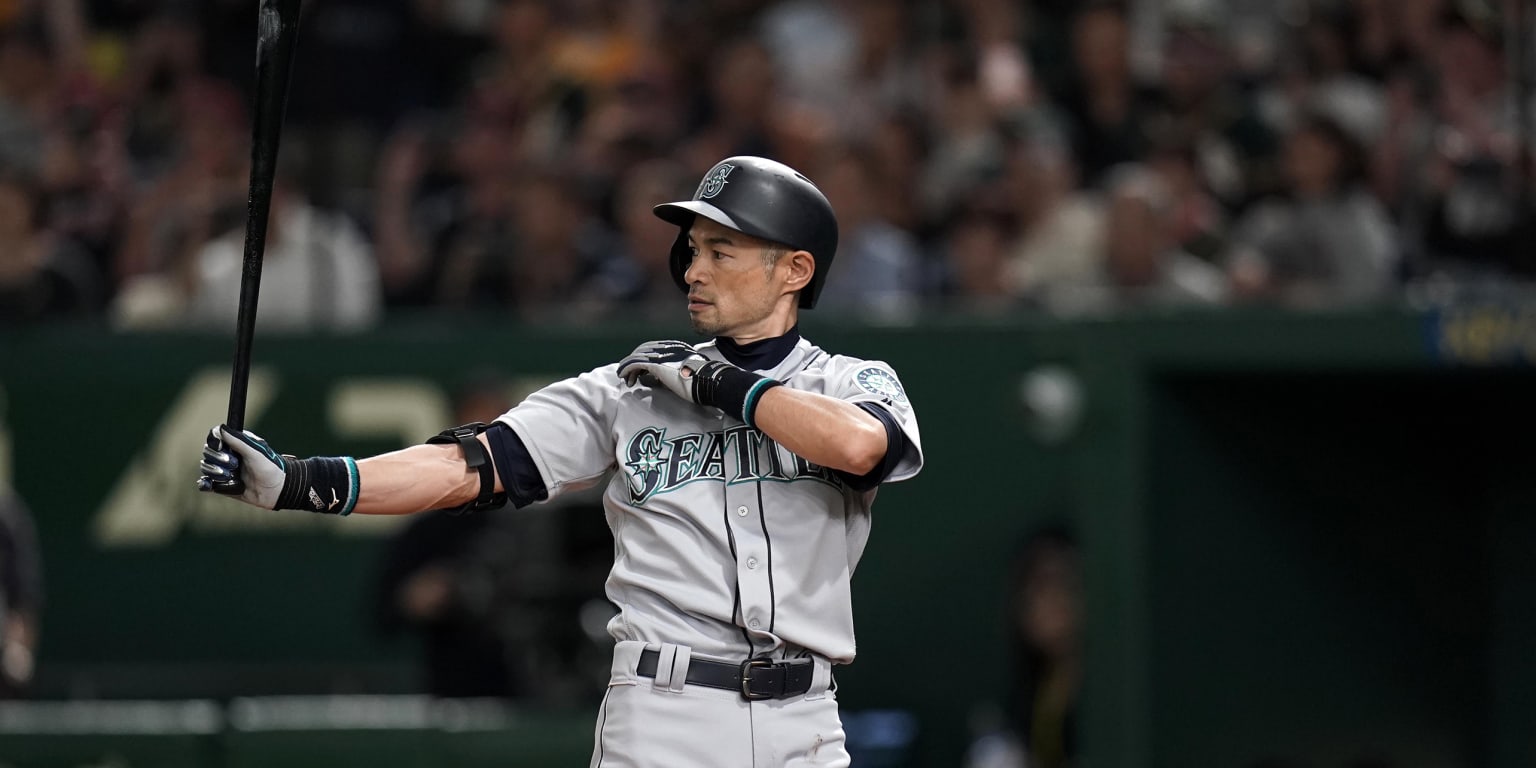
x=524 y=486
x=759 y=355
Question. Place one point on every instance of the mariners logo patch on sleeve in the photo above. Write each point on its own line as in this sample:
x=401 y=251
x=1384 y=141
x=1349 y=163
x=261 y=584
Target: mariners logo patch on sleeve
x=877 y=381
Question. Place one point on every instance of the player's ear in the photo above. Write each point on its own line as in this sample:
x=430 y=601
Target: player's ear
x=799 y=267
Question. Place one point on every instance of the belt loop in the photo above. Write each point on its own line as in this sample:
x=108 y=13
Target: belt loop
x=664 y=669
x=680 y=661
x=821 y=679
x=626 y=656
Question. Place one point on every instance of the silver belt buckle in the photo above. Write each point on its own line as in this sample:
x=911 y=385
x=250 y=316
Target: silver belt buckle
x=746 y=679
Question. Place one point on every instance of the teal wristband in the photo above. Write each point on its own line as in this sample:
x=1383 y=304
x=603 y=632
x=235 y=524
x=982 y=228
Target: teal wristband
x=755 y=396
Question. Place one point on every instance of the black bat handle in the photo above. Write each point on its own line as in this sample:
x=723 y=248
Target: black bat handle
x=277 y=30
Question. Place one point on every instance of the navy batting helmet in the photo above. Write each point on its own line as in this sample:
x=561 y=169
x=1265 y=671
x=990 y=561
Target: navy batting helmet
x=764 y=199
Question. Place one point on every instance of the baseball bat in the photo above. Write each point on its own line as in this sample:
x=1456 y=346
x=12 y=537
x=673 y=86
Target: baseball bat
x=276 y=31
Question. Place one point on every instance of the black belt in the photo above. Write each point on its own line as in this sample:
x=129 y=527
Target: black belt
x=754 y=679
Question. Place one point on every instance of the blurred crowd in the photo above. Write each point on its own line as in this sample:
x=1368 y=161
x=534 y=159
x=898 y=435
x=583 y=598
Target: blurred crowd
x=502 y=156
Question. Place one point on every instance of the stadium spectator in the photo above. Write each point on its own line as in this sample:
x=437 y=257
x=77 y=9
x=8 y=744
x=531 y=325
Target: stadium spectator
x=28 y=96
x=42 y=276
x=813 y=47
x=890 y=71
x=160 y=85
x=562 y=246
x=639 y=278
x=444 y=213
x=898 y=145
x=879 y=269
x=974 y=272
x=1045 y=630
x=736 y=107
x=963 y=143
x=1203 y=107
x=318 y=272
x=1108 y=113
x=1198 y=222
x=1060 y=241
x=1325 y=240
x=1142 y=264
x=1478 y=217
x=203 y=189
x=21 y=595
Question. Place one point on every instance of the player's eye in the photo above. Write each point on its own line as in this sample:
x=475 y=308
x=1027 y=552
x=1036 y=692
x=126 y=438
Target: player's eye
x=693 y=252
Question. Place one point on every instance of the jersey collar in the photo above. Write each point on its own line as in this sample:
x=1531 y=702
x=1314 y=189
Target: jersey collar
x=761 y=355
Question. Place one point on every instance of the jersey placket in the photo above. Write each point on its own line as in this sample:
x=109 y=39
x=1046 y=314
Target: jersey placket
x=751 y=530
x=754 y=554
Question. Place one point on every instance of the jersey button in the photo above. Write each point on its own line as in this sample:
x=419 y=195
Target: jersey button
x=754 y=624
x=741 y=511
x=751 y=563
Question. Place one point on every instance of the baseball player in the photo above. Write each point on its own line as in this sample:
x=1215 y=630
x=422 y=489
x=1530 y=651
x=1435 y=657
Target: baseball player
x=743 y=470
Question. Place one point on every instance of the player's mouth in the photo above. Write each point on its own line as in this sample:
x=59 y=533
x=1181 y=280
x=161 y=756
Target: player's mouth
x=696 y=303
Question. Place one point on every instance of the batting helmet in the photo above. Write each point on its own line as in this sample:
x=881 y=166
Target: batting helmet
x=764 y=199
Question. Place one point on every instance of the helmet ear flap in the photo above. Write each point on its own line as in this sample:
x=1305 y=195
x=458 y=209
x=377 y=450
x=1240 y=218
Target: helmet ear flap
x=681 y=258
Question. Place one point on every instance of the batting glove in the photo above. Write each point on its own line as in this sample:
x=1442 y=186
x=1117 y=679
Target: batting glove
x=242 y=465
x=670 y=364
x=682 y=370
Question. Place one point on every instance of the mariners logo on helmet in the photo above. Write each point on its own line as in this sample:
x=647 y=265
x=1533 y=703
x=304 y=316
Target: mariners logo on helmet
x=714 y=182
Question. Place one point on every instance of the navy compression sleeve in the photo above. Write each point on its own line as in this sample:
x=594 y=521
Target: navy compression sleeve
x=519 y=476
x=895 y=448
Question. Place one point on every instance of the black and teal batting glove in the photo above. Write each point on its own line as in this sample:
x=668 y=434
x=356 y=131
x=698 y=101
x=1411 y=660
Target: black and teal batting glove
x=242 y=465
x=679 y=368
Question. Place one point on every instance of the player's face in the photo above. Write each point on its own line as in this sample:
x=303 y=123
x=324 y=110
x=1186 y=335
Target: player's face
x=732 y=289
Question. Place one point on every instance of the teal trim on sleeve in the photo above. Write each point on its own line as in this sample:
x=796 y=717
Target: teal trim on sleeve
x=354 y=485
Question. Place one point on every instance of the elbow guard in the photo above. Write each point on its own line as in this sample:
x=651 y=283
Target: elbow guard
x=477 y=459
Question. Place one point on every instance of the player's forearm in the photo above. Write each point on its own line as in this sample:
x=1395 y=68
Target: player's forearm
x=414 y=479
x=823 y=430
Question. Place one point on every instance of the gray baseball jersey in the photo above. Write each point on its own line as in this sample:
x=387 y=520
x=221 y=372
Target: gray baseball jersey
x=724 y=541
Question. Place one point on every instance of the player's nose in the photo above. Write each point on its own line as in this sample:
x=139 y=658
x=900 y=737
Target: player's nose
x=696 y=271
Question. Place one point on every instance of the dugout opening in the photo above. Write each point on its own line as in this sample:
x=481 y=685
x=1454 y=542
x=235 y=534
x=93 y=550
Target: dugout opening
x=1342 y=568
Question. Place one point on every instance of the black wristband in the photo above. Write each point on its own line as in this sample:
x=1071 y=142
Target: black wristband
x=324 y=484
x=733 y=390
